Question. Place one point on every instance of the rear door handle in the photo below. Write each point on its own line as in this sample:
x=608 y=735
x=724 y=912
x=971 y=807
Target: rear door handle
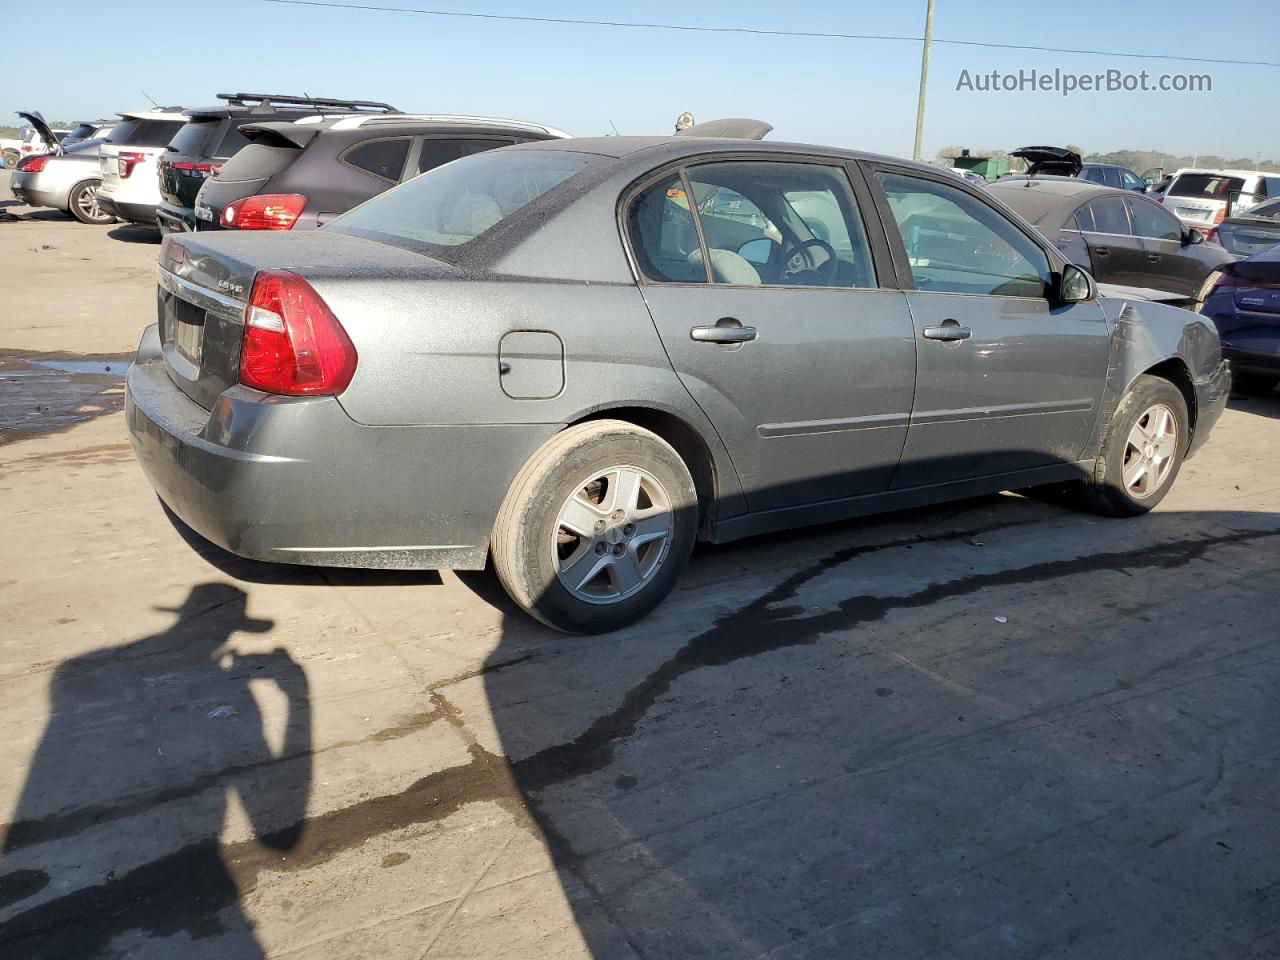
x=1153 y=257
x=950 y=330
x=1102 y=251
x=723 y=333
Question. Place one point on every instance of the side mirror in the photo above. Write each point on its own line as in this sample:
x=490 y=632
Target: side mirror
x=1191 y=237
x=1073 y=285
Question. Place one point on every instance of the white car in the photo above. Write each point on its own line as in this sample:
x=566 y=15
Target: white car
x=1199 y=197
x=127 y=162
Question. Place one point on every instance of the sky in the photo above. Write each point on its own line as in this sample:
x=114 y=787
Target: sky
x=590 y=80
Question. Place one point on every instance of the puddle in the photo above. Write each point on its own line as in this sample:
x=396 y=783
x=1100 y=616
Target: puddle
x=43 y=393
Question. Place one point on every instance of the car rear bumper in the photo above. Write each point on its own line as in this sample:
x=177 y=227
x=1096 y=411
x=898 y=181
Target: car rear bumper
x=1211 y=400
x=133 y=212
x=296 y=480
x=1263 y=362
x=171 y=219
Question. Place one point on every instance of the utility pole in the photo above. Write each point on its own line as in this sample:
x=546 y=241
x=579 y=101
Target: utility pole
x=924 y=79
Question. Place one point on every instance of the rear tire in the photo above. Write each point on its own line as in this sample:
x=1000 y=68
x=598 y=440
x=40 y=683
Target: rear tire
x=10 y=160
x=1142 y=452
x=1253 y=384
x=83 y=203
x=596 y=527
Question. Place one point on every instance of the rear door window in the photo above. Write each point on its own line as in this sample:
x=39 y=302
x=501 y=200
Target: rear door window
x=1109 y=216
x=1151 y=220
x=1084 y=219
x=663 y=237
x=436 y=152
x=382 y=158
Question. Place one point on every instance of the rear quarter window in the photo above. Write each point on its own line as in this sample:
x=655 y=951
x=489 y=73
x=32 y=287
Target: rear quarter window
x=382 y=158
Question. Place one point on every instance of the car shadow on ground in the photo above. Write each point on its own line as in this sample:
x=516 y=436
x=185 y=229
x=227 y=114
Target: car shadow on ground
x=1268 y=406
x=135 y=233
x=100 y=769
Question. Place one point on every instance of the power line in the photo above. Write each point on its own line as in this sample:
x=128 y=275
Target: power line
x=759 y=31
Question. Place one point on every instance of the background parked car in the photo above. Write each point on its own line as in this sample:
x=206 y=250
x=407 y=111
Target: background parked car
x=67 y=181
x=1113 y=175
x=211 y=136
x=1122 y=237
x=1252 y=231
x=1244 y=304
x=301 y=175
x=127 y=162
x=1199 y=197
x=87 y=130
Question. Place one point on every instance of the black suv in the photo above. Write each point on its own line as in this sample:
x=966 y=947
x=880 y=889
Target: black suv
x=298 y=176
x=211 y=136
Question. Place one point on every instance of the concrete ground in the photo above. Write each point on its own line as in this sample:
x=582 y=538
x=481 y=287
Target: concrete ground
x=991 y=729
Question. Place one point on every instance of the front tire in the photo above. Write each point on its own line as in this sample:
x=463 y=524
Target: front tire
x=10 y=160
x=596 y=527
x=1142 y=452
x=83 y=203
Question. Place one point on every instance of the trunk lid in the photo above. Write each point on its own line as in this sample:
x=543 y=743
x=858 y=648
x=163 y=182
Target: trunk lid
x=203 y=290
x=43 y=130
x=1050 y=161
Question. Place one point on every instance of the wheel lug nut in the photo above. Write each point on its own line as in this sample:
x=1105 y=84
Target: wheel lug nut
x=629 y=530
x=600 y=549
x=617 y=514
x=618 y=550
x=599 y=526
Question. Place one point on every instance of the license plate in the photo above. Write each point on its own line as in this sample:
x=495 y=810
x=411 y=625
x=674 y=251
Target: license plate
x=189 y=338
x=204 y=213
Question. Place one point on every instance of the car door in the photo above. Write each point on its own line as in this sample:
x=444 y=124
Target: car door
x=1116 y=254
x=1172 y=265
x=1005 y=380
x=760 y=277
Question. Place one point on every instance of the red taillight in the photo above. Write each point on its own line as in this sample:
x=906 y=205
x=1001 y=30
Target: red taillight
x=126 y=161
x=293 y=344
x=34 y=164
x=189 y=169
x=1212 y=235
x=267 y=211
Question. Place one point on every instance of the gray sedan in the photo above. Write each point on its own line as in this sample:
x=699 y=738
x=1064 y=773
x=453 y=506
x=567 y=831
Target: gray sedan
x=580 y=356
x=68 y=182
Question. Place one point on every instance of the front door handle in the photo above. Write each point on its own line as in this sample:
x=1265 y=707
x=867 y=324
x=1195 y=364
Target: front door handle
x=725 y=331
x=1102 y=251
x=1153 y=257
x=948 y=330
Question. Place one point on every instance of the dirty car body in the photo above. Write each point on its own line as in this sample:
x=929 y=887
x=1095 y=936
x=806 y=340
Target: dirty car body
x=828 y=364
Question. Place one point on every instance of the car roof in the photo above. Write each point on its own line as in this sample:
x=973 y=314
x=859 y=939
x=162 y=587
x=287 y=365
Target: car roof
x=1038 y=199
x=659 y=149
x=1222 y=172
x=154 y=113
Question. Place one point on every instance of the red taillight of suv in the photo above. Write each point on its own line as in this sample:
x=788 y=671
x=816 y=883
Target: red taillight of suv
x=126 y=161
x=34 y=164
x=267 y=211
x=293 y=344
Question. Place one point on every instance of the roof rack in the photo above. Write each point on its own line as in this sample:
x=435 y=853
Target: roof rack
x=353 y=123
x=275 y=99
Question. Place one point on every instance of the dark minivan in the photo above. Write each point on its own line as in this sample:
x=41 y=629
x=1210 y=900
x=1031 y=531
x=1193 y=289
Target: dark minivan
x=300 y=175
x=211 y=136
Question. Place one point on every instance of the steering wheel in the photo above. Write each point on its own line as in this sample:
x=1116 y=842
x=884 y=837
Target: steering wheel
x=826 y=272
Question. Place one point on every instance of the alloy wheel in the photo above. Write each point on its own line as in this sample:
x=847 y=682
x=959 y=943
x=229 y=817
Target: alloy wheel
x=1150 y=452
x=612 y=534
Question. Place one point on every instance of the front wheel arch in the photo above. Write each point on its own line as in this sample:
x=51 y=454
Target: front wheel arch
x=1176 y=372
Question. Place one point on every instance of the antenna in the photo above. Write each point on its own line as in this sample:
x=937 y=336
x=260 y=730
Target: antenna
x=615 y=129
x=148 y=96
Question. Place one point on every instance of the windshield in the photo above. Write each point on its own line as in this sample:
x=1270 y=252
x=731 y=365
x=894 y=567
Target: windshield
x=455 y=203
